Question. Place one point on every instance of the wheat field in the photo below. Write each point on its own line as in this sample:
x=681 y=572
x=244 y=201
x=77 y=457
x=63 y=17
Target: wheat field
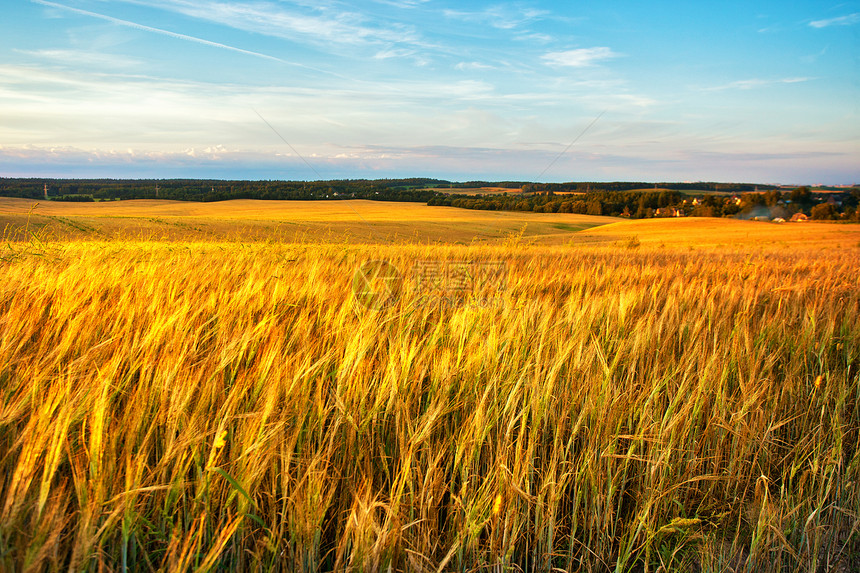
x=219 y=406
x=354 y=221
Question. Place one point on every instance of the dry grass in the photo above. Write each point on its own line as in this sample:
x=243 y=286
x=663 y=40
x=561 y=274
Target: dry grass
x=220 y=406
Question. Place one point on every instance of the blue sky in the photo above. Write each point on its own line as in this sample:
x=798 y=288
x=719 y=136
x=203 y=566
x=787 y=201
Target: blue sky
x=731 y=91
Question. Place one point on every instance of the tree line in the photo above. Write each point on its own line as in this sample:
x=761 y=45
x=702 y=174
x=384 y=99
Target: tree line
x=587 y=186
x=414 y=189
x=774 y=203
x=621 y=199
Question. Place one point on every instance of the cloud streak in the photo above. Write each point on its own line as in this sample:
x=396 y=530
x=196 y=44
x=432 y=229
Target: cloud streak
x=321 y=26
x=473 y=66
x=81 y=57
x=499 y=17
x=402 y=3
x=579 y=58
x=756 y=83
x=838 y=21
x=161 y=31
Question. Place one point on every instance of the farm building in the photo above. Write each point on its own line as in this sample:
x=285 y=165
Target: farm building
x=669 y=212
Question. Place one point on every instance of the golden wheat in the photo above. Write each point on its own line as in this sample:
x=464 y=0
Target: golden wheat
x=209 y=406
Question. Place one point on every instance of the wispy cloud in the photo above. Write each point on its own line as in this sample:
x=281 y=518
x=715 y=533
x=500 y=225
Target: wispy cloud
x=756 y=83
x=534 y=37
x=838 y=21
x=470 y=66
x=501 y=17
x=85 y=58
x=579 y=58
x=316 y=24
x=446 y=161
x=393 y=52
x=810 y=58
x=168 y=33
x=771 y=29
x=213 y=161
x=747 y=156
x=402 y=3
x=80 y=108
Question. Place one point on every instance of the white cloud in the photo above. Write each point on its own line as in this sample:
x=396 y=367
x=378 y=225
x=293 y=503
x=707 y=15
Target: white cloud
x=56 y=107
x=535 y=38
x=620 y=101
x=160 y=31
x=316 y=24
x=467 y=66
x=85 y=58
x=579 y=58
x=838 y=21
x=403 y=3
x=500 y=17
x=393 y=53
x=737 y=161
x=756 y=83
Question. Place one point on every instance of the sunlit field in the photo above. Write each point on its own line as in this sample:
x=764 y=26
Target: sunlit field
x=617 y=398
x=730 y=234
x=283 y=221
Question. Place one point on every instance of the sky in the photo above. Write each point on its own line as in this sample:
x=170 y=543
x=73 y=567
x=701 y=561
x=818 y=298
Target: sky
x=548 y=91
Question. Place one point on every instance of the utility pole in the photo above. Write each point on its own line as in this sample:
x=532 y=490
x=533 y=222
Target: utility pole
x=46 y=191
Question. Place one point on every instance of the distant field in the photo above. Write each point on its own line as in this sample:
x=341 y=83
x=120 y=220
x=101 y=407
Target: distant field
x=291 y=221
x=381 y=222
x=475 y=190
x=717 y=233
x=493 y=191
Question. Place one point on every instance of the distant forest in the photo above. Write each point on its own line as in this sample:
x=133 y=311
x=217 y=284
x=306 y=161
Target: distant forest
x=218 y=190
x=644 y=204
x=621 y=199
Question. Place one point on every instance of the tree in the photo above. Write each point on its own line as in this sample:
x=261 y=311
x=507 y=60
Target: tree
x=771 y=198
x=704 y=211
x=640 y=210
x=824 y=212
x=594 y=208
x=753 y=199
x=801 y=195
